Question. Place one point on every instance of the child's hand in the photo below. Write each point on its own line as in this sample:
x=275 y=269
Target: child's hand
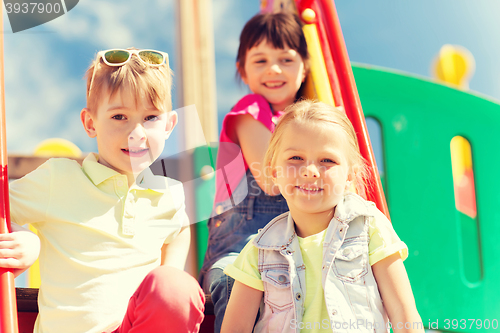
x=19 y=249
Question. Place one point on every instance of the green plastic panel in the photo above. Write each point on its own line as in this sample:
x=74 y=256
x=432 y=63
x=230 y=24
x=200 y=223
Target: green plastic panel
x=418 y=120
x=205 y=193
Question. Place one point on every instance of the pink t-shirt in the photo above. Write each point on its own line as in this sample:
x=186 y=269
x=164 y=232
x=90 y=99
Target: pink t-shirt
x=231 y=165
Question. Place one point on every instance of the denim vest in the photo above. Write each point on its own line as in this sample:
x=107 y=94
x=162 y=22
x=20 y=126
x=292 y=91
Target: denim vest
x=350 y=290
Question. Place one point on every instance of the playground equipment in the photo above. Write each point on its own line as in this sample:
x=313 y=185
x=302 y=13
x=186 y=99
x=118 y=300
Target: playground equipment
x=452 y=261
x=455 y=65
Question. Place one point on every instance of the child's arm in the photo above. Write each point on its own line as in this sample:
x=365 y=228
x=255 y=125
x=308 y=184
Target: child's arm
x=175 y=253
x=18 y=249
x=253 y=138
x=397 y=295
x=242 y=309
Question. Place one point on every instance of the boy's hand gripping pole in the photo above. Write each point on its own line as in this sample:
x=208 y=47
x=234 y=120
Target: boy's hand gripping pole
x=8 y=308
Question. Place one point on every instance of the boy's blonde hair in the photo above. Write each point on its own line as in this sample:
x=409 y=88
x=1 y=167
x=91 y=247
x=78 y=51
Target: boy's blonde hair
x=133 y=77
x=313 y=112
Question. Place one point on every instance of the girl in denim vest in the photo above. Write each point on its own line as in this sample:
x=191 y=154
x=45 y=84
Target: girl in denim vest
x=271 y=60
x=334 y=262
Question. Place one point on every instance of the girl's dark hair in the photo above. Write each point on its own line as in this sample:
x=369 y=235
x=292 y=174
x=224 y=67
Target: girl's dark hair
x=278 y=29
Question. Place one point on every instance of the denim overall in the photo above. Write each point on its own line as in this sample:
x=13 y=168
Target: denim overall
x=350 y=290
x=229 y=232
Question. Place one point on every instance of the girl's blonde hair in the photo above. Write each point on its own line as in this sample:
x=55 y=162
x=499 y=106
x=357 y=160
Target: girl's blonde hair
x=134 y=77
x=313 y=112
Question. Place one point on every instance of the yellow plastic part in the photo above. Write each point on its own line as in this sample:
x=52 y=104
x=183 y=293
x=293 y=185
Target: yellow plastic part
x=318 y=68
x=463 y=176
x=454 y=64
x=461 y=158
x=33 y=273
x=57 y=147
x=308 y=15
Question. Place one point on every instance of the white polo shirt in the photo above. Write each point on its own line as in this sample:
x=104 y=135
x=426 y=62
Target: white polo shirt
x=99 y=238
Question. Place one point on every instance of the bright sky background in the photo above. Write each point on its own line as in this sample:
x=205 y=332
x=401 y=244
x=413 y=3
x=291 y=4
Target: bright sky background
x=44 y=66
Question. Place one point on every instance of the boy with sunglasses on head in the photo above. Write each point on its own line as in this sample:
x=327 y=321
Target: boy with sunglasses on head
x=111 y=232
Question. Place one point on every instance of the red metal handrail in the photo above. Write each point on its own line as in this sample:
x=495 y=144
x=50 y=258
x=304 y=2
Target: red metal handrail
x=350 y=97
x=327 y=54
x=8 y=308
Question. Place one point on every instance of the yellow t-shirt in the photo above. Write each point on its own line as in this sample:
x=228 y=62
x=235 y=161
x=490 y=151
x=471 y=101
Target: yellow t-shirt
x=315 y=309
x=383 y=242
x=99 y=238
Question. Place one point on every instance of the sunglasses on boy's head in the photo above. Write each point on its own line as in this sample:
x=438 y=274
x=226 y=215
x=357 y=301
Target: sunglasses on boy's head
x=119 y=57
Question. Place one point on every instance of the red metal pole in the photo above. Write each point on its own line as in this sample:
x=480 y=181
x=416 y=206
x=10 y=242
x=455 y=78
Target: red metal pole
x=8 y=308
x=350 y=97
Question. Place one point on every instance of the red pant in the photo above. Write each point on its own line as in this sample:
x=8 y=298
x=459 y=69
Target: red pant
x=168 y=300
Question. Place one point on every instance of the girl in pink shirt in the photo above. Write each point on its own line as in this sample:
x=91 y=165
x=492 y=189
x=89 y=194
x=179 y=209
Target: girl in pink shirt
x=272 y=61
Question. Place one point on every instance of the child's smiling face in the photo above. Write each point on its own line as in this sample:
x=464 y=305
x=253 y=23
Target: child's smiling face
x=275 y=74
x=130 y=136
x=312 y=170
